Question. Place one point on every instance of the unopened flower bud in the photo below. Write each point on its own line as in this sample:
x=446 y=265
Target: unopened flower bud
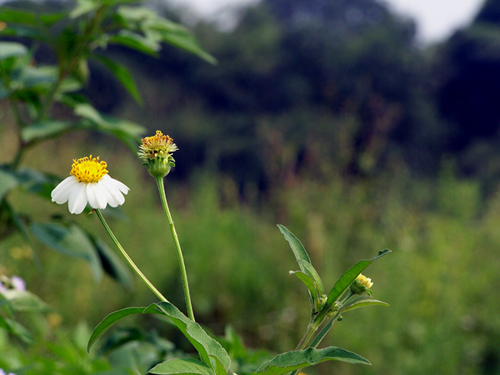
x=156 y=154
x=361 y=285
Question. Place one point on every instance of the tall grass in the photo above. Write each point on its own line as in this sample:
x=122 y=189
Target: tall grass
x=441 y=280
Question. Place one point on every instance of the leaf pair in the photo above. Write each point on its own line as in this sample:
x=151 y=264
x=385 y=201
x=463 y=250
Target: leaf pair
x=310 y=277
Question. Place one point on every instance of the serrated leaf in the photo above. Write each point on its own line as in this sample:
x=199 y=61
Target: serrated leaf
x=298 y=249
x=210 y=351
x=11 y=49
x=182 y=366
x=122 y=74
x=69 y=240
x=298 y=359
x=348 y=277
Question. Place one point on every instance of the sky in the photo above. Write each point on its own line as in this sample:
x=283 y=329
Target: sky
x=436 y=19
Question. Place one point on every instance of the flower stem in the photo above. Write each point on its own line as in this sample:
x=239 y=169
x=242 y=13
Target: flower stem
x=185 y=284
x=127 y=257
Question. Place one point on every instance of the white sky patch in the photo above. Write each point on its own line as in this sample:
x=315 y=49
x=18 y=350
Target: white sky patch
x=436 y=19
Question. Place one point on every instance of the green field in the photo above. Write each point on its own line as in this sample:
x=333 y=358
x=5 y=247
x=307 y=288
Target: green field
x=440 y=279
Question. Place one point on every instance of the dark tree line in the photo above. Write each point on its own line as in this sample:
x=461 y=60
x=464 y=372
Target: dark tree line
x=306 y=86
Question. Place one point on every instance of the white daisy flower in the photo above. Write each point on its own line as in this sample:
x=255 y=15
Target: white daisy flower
x=89 y=183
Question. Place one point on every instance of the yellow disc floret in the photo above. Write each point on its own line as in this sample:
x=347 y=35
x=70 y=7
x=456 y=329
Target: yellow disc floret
x=88 y=169
x=156 y=154
x=158 y=145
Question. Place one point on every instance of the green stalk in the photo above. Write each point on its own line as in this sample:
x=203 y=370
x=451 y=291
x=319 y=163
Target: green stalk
x=127 y=257
x=185 y=284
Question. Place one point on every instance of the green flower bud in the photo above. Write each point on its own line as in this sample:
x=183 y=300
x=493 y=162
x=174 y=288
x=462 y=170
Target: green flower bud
x=361 y=285
x=156 y=154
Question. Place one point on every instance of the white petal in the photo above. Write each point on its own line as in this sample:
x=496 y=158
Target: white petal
x=62 y=191
x=115 y=189
x=77 y=199
x=96 y=195
x=120 y=185
x=114 y=197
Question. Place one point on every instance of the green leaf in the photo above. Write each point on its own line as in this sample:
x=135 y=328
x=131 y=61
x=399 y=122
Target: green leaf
x=52 y=18
x=182 y=366
x=69 y=240
x=136 y=42
x=122 y=74
x=45 y=129
x=11 y=49
x=16 y=329
x=210 y=351
x=126 y=131
x=362 y=302
x=188 y=43
x=8 y=181
x=113 y=318
x=22 y=17
x=298 y=359
x=348 y=277
x=314 y=274
x=36 y=182
x=21 y=300
x=236 y=347
x=298 y=249
x=112 y=264
x=84 y=7
x=311 y=287
x=36 y=78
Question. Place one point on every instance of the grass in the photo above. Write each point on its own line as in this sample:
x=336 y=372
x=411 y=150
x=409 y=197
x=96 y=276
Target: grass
x=441 y=279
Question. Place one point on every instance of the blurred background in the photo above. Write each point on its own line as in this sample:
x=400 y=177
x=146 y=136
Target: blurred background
x=340 y=119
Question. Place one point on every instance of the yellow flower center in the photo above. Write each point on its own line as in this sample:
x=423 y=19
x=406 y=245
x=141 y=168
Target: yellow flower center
x=364 y=281
x=88 y=169
x=157 y=145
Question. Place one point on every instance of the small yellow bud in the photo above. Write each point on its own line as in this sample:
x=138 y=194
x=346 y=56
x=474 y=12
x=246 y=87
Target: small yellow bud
x=361 y=285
